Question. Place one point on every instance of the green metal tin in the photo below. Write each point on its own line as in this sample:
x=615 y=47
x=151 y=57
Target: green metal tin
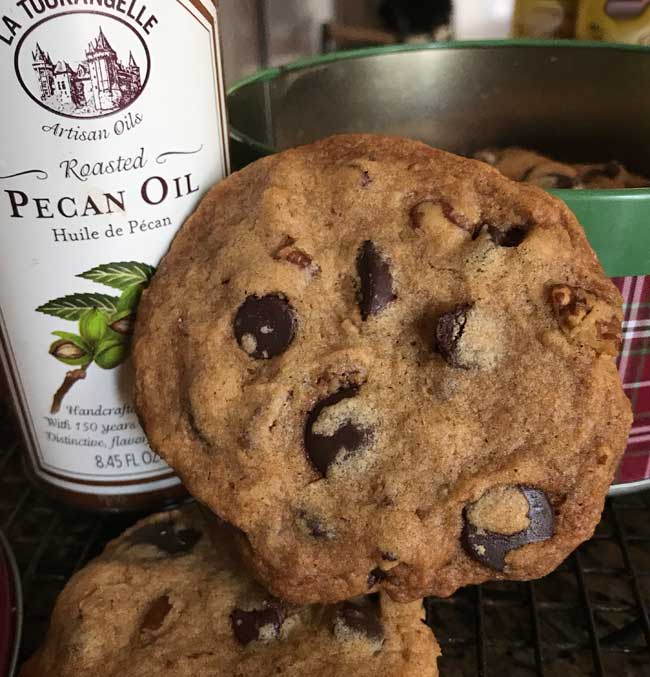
x=617 y=223
x=577 y=101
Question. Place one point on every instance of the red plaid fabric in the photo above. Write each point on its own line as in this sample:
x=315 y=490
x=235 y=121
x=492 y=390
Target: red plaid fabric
x=634 y=368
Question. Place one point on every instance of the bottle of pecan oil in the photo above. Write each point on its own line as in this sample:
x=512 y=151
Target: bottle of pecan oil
x=113 y=126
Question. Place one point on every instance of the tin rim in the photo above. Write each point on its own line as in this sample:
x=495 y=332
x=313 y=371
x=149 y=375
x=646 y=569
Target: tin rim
x=17 y=598
x=310 y=62
x=628 y=487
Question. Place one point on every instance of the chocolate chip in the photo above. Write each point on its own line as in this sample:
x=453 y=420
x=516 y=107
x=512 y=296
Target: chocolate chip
x=415 y=215
x=365 y=178
x=375 y=577
x=376 y=288
x=511 y=236
x=314 y=526
x=359 y=619
x=265 y=326
x=490 y=548
x=156 y=614
x=165 y=537
x=528 y=173
x=563 y=181
x=449 y=331
x=348 y=439
x=389 y=557
x=264 y=623
x=610 y=170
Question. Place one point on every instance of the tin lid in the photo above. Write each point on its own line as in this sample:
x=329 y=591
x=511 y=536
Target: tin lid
x=10 y=610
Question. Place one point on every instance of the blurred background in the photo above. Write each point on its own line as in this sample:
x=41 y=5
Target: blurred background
x=260 y=33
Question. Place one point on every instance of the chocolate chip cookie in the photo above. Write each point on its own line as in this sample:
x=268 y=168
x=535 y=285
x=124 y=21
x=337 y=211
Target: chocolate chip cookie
x=165 y=599
x=390 y=367
x=531 y=167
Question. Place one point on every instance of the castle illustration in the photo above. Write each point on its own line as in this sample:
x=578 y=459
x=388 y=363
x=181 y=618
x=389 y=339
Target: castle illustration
x=99 y=85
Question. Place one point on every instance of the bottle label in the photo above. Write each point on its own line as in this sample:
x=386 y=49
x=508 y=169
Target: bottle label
x=113 y=128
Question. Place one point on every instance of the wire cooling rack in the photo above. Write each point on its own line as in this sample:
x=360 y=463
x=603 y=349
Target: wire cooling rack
x=589 y=617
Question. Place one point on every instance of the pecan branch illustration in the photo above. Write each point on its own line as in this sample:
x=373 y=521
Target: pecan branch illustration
x=105 y=323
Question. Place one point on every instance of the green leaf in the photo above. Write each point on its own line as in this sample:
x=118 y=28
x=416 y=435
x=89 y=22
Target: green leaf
x=72 y=307
x=120 y=275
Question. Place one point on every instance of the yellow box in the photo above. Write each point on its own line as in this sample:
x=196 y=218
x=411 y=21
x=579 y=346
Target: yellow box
x=544 y=18
x=614 y=21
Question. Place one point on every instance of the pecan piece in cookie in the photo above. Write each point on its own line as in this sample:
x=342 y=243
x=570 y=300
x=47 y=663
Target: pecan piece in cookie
x=425 y=211
x=287 y=251
x=504 y=519
x=586 y=319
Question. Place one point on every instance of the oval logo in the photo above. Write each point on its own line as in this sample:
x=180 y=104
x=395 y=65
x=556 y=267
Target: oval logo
x=82 y=64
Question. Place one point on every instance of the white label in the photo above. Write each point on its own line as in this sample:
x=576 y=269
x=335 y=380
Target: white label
x=113 y=127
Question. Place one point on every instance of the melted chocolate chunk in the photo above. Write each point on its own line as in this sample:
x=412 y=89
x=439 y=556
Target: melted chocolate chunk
x=264 y=623
x=156 y=614
x=166 y=538
x=563 y=181
x=376 y=576
x=449 y=331
x=528 y=173
x=490 y=548
x=376 y=281
x=265 y=326
x=611 y=170
x=315 y=526
x=323 y=450
x=512 y=236
x=361 y=619
x=389 y=556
